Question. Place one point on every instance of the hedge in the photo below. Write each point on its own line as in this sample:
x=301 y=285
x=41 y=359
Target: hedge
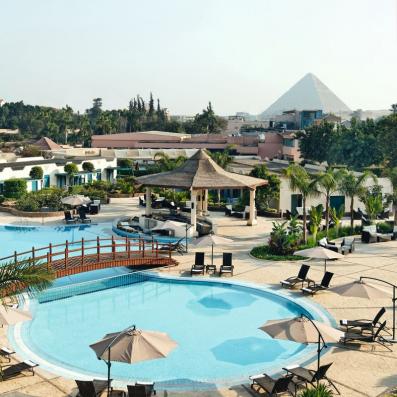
x=15 y=188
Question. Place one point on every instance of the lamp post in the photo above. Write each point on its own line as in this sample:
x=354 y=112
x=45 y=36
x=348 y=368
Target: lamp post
x=393 y=300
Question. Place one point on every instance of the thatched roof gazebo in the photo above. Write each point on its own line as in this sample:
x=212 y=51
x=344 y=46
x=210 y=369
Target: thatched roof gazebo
x=199 y=174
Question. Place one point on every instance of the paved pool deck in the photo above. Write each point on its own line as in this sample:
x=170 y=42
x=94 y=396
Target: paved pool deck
x=357 y=370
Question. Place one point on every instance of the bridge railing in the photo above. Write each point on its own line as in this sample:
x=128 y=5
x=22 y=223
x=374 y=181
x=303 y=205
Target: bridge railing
x=110 y=248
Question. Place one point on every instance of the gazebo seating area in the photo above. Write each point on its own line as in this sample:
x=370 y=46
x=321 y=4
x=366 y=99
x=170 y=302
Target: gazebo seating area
x=199 y=174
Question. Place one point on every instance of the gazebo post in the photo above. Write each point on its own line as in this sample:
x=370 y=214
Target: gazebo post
x=199 y=199
x=193 y=210
x=148 y=209
x=251 y=220
x=205 y=201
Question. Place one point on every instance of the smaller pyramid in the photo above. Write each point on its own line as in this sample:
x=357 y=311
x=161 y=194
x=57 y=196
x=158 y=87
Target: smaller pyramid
x=309 y=93
x=45 y=143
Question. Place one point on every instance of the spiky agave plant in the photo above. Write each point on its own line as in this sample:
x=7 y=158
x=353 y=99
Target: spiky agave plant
x=319 y=391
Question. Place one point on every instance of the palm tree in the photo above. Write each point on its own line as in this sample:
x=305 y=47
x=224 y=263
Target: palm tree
x=353 y=186
x=223 y=159
x=329 y=182
x=166 y=163
x=21 y=276
x=301 y=181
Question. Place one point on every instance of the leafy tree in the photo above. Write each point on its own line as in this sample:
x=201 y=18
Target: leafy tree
x=388 y=139
x=301 y=181
x=271 y=191
x=315 y=142
x=71 y=169
x=329 y=182
x=36 y=172
x=206 y=122
x=354 y=186
x=88 y=166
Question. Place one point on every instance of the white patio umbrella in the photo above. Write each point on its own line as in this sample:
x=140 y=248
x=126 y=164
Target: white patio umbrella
x=131 y=346
x=303 y=330
x=319 y=253
x=75 y=200
x=11 y=316
x=211 y=240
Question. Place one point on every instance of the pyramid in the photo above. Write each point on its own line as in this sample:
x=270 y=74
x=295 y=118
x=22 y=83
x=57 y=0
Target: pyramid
x=309 y=93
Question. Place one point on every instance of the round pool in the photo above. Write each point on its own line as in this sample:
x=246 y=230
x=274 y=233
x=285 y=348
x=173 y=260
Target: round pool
x=214 y=322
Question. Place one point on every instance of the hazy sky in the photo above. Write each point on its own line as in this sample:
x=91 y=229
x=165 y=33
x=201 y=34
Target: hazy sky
x=240 y=54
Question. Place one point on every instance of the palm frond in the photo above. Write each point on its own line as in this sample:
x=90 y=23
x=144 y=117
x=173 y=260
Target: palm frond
x=24 y=276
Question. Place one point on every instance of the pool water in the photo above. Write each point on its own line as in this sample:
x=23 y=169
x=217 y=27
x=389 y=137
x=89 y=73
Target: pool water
x=23 y=238
x=214 y=324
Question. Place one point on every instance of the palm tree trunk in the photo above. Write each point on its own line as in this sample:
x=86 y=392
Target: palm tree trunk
x=351 y=213
x=327 y=213
x=304 y=217
x=219 y=195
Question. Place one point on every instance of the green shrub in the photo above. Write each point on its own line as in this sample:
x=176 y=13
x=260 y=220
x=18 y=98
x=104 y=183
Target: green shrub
x=71 y=169
x=2 y=199
x=282 y=242
x=319 y=391
x=88 y=166
x=36 y=172
x=124 y=163
x=90 y=191
x=34 y=201
x=385 y=227
x=15 y=188
x=265 y=252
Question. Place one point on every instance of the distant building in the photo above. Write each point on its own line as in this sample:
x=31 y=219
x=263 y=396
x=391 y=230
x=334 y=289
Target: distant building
x=267 y=144
x=8 y=131
x=181 y=118
x=54 y=174
x=297 y=119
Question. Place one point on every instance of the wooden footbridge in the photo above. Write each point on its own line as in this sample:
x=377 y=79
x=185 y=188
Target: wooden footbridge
x=101 y=253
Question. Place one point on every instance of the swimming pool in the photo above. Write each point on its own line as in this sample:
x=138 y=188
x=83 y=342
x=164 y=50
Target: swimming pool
x=23 y=238
x=214 y=322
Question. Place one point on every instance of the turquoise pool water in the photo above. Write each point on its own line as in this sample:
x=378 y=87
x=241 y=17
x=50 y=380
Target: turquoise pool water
x=23 y=238
x=215 y=325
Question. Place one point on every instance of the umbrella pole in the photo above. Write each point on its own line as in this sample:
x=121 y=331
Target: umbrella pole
x=212 y=255
x=109 y=364
x=325 y=264
x=318 y=353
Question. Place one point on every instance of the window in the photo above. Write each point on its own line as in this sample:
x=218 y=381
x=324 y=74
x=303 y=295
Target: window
x=288 y=142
